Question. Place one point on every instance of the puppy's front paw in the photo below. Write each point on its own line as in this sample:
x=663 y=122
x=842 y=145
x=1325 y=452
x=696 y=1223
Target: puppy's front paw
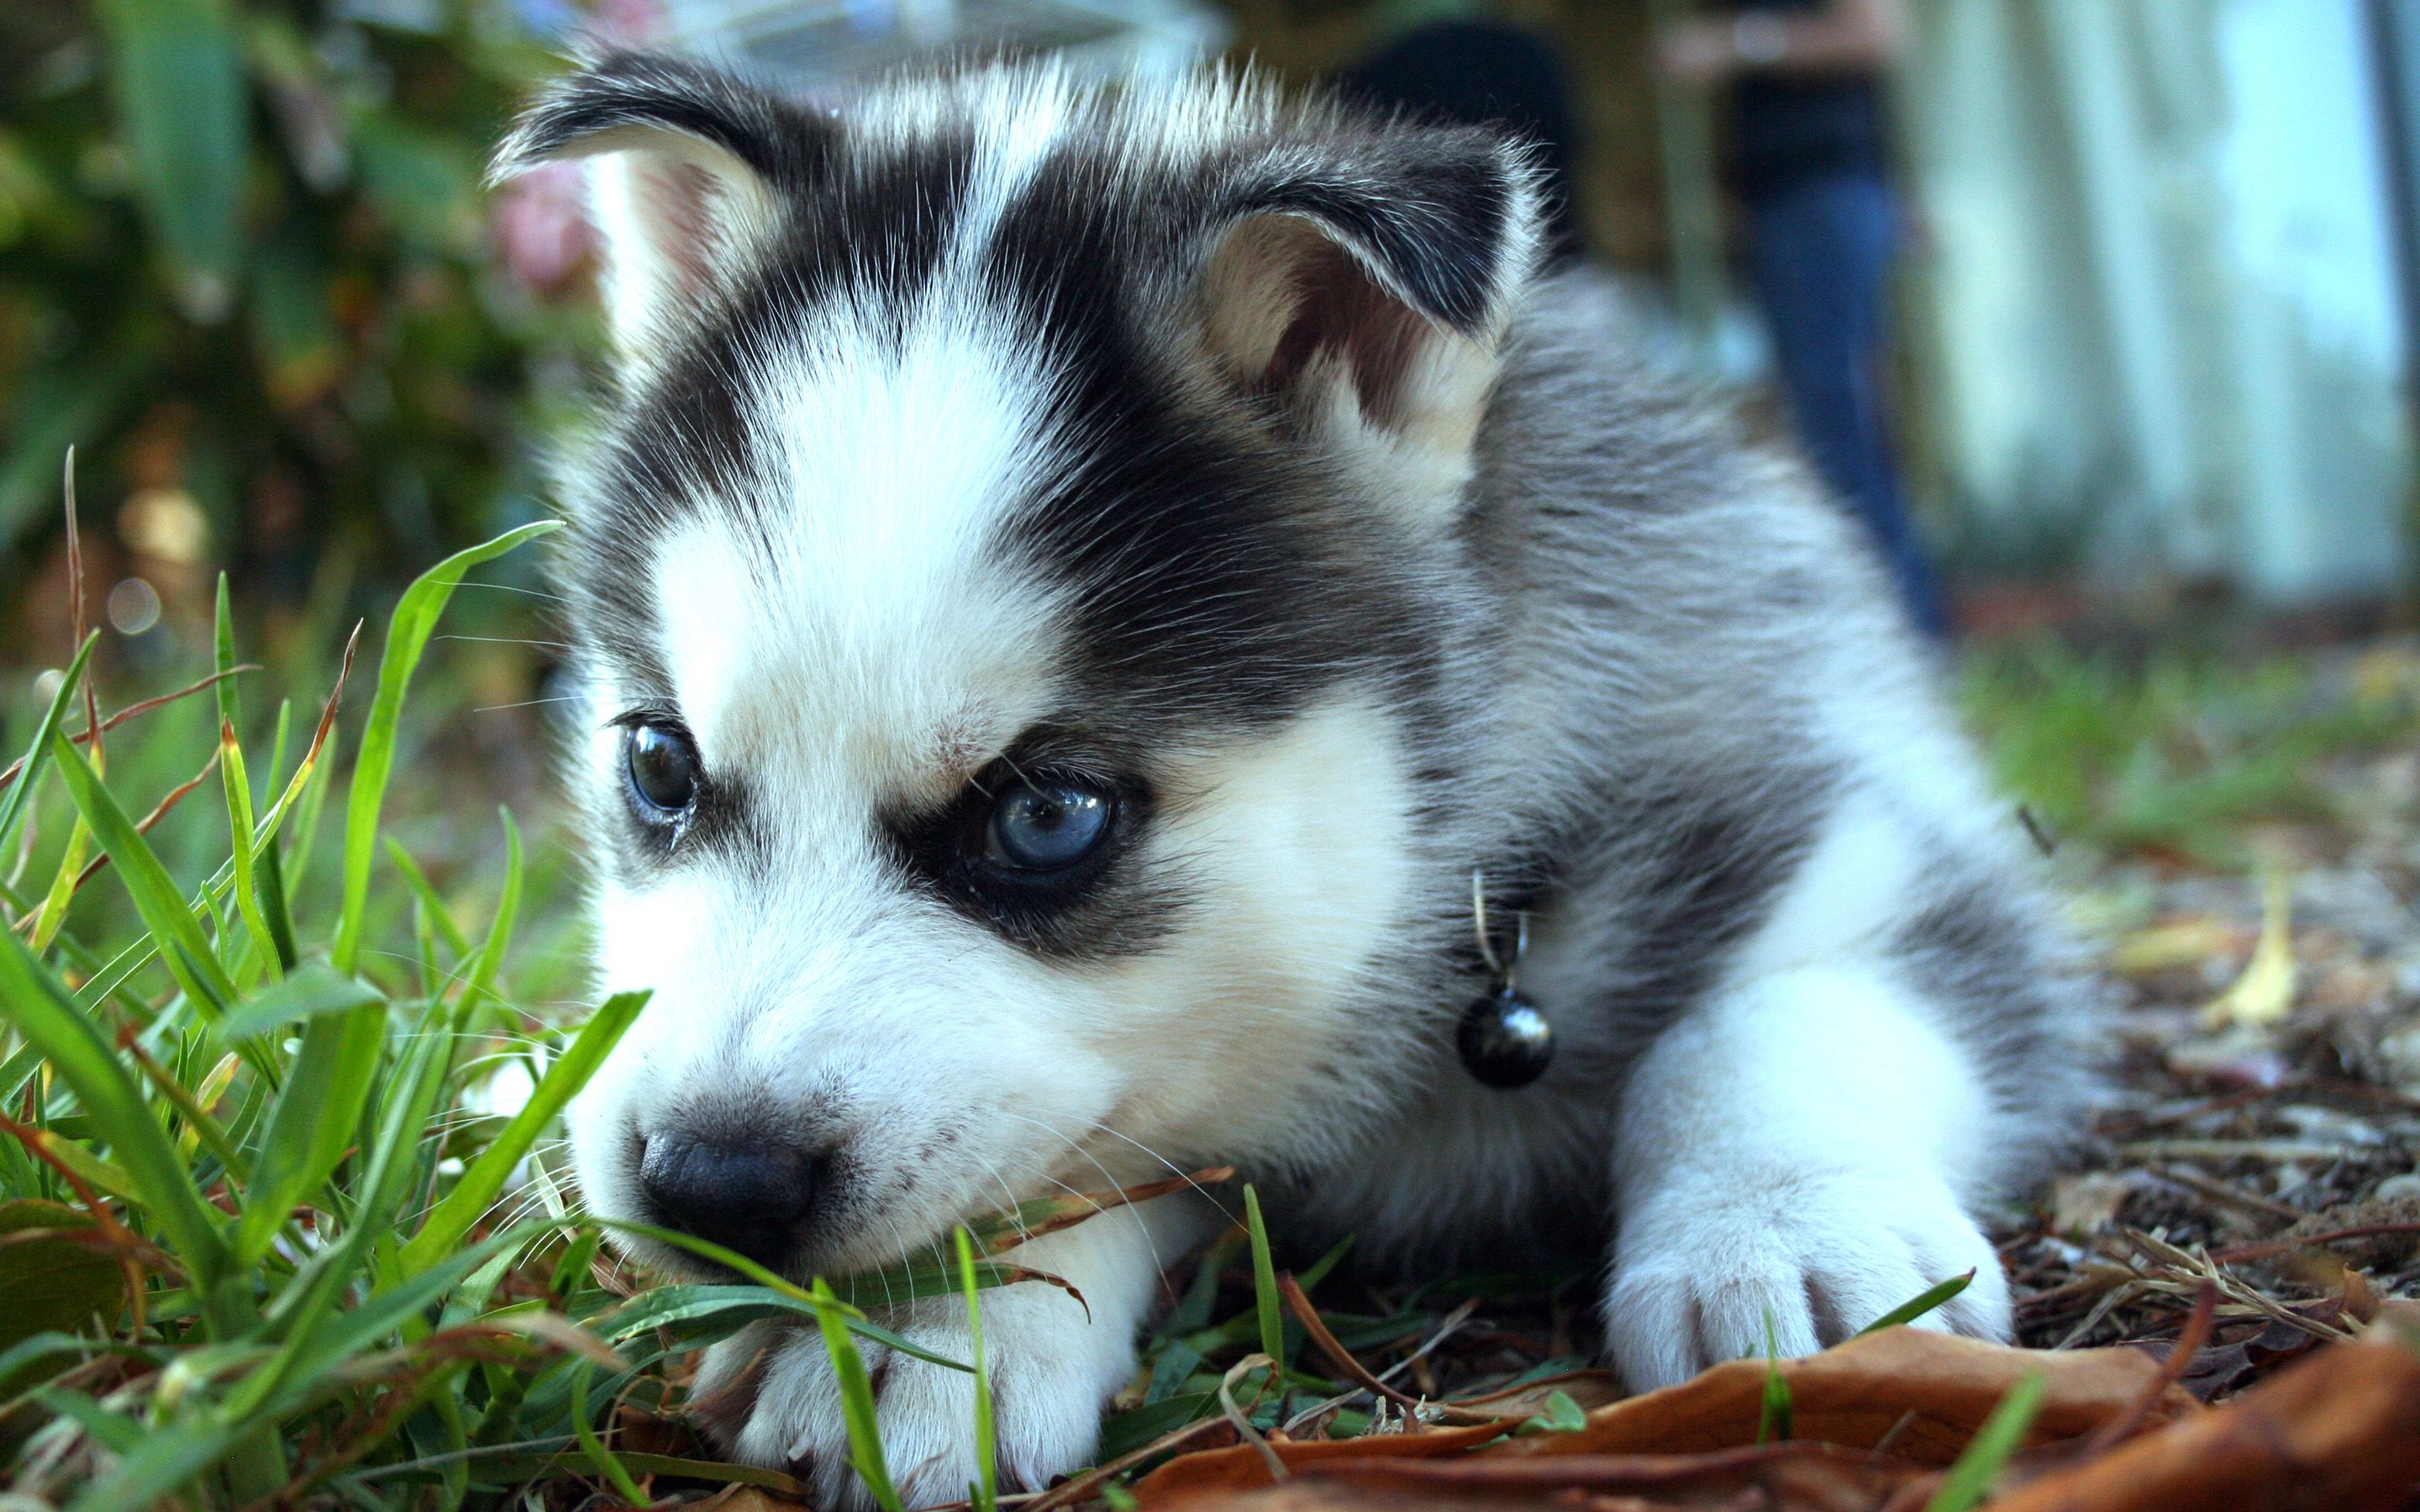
x=1050 y=1371
x=1702 y=1264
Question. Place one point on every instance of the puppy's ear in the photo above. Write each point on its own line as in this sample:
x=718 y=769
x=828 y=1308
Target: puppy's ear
x=685 y=187
x=1367 y=290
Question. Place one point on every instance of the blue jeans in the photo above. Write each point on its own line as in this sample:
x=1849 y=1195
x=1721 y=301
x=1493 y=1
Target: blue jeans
x=1820 y=252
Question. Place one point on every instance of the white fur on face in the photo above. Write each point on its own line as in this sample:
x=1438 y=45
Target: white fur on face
x=862 y=647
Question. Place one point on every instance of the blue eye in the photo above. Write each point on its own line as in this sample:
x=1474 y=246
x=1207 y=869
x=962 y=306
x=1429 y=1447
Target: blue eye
x=663 y=769
x=1048 y=826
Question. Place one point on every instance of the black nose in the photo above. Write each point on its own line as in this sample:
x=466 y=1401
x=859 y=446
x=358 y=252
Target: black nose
x=747 y=1199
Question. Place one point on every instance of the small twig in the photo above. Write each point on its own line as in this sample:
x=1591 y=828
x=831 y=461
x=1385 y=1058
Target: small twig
x=10 y=773
x=1243 y=1422
x=1882 y=1445
x=1446 y=1329
x=1353 y=1369
x=2225 y=1195
x=2172 y=1369
x=2263 y=1249
x=1082 y=1487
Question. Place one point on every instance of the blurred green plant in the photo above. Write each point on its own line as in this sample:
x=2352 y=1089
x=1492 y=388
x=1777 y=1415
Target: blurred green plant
x=2174 y=750
x=243 y=265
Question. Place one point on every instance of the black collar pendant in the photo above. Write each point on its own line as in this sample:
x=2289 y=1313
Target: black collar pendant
x=1505 y=1041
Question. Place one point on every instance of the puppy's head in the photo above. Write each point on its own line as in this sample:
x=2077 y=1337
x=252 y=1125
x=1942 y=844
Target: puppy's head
x=1013 y=600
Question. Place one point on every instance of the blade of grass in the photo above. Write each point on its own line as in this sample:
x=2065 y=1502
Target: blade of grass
x=477 y=1189
x=1920 y=1305
x=1775 y=1413
x=315 y=1119
x=857 y=1403
x=38 y=749
x=489 y=962
x=162 y=908
x=778 y=1292
x=1970 y=1479
x=407 y=638
x=46 y=1015
x=237 y=785
x=985 y=1491
x=592 y=1447
x=1264 y=1280
x=437 y=915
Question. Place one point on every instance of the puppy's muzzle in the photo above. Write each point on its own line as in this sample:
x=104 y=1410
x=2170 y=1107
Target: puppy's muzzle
x=753 y=1200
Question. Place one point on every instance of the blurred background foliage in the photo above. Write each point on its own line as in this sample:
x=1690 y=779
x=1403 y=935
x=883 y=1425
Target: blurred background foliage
x=245 y=269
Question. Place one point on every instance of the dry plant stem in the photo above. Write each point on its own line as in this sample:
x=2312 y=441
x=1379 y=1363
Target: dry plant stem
x=2225 y=1195
x=1446 y=1329
x=1082 y=1487
x=75 y=597
x=2266 y=1248
x=2180 y=1358
x=1242 y=1421
x=1353 y=1370
x=9 y=773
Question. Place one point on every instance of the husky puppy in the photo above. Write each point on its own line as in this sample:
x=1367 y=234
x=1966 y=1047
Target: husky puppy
x=1077 y=590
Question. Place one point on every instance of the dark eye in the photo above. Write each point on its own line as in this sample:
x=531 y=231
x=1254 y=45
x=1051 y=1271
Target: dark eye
x=1047 y=825
x=663 y=769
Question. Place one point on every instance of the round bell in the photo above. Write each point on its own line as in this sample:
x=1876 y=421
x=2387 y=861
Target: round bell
x=1505 y=1041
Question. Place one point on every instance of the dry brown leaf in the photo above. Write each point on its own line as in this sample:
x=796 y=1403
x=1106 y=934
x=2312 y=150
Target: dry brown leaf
x=1592 y=1389
x=1802 y=1477
x=2265 y=993
x=1240 y=1468
x=1926 y=1392
x=1856 y=1393
x=2174 y=942
x=737 y=1498
x=2341 y=1431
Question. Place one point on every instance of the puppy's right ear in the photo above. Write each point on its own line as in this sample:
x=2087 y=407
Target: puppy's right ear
x=685 y=188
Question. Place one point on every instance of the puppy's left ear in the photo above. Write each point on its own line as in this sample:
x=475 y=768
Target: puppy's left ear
x=686 y=185
x=1366 y=289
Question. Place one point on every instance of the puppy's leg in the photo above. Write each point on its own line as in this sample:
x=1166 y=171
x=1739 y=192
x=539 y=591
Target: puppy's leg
x=1051 y=1366
x=1796 y=1147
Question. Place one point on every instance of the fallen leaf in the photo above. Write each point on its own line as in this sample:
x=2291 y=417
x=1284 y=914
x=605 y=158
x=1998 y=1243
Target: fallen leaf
x=2265 y=993
x=2174 y=942
x=1925 y=1392
x=1802 y=1477
x=53 y=1283
x=1862 y=1391
x=2339 y=1430
x=2082 y=1205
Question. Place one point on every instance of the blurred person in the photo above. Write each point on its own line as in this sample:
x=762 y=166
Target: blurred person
x=1807 y=157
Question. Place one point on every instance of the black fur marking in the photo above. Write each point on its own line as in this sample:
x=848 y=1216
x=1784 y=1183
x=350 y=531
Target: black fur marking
x=781 y=142
x=1716 y=865
x=718 y=821
x=1976 y=951
x=1108 y=904
x=1431 y=210
x=1215 y=574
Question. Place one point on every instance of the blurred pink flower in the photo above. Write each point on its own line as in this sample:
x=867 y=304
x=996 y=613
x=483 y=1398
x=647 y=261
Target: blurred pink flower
x=537 y=227
x=627 y=22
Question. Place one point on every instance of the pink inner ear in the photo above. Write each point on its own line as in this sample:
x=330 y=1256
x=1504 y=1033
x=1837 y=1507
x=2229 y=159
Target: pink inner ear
x=678 y=201
x=1340 y=308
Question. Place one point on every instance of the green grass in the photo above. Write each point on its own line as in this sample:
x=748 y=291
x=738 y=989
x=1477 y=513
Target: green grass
x=250 y=1221
x=2172 y=751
